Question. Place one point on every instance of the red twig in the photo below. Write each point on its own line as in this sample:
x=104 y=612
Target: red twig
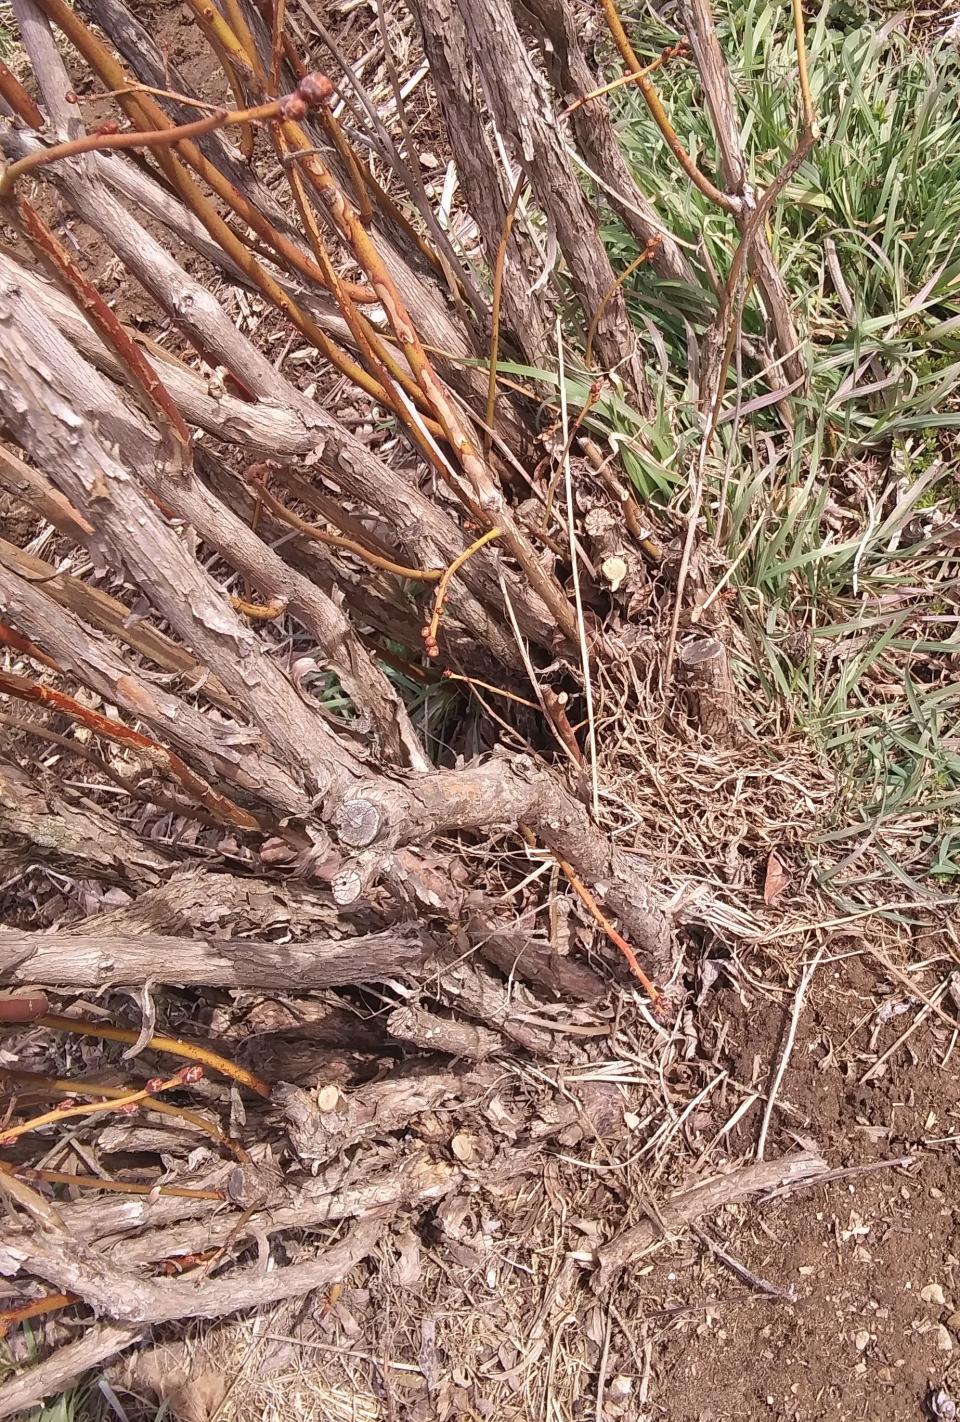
x=223 y=809
x=186 y=1076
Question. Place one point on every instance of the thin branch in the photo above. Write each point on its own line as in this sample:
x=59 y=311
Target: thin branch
x=65 y=1086
x=176 y=1046
x=122 y=1187
x=498 y=268
x=186 y=1076
x=15 y=95
x=727 y=201
x=50 y=1303
x=432 y=629
x=336 y=540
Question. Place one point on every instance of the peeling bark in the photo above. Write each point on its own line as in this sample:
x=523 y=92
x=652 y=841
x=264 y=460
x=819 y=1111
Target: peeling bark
x=96 y=958
x=522 y=111
x=526 y=314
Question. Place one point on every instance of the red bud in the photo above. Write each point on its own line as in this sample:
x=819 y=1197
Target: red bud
x=315 y=90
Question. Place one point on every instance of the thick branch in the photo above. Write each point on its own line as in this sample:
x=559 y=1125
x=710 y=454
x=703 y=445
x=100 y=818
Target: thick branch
x=504 y=793
x=79 y=835
x=447 y=49
x=94 y=958
x=56 y=1373
x=225 y=749
x=597 y=138
x=515 y=94
x=131 y=1299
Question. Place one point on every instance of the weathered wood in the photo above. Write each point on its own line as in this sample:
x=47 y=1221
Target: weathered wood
x=98 y=959
x=76 y=1268
x=507 y=791
x=685 y=1207
x=414 y=1024
x=596 y=137
x=526 y=313
x=522 y=112
x=709 y=688
x=79 y=836
x=55 y=1374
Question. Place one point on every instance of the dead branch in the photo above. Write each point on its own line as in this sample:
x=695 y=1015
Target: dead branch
x=709 y=688
x=534 y=961
x=129 y=1298
x=198 y=901
x=515 y=94
x=508 y=791
x=295 y=428
x=321 y=1131
x=56 y=1373
x=699 y=23
x=412 y=1023
x=597 y=139
x=94 y=958
x=686 y=1207
x=91 y=604
x=165 y=571
x=224 y=751
x=447 y=49
x=81 y=835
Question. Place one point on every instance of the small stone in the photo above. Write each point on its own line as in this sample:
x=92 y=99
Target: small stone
x=933 y=1294
x=944 y=1340
x=953 y=1320
x=861 y=1340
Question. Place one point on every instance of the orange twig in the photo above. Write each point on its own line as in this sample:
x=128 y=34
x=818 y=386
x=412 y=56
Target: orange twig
x=352 y=164
x=64 y=1086
x=186 y=1076
x=18 y=99
x=10 y=1317
x=429 y=633
x=260 y=611
x=617 y=939
x=672 y=52
x=648 y=253
x=223 y=809
x=123 y=1187
x=104 y=141
x=338 y=540
x=176 y=1046
x=13 y=639
x=587 y=899
x=659 y=113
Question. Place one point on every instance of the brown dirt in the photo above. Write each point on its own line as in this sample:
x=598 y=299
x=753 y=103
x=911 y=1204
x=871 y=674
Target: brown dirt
x=487 y=1308
x=861 y=1341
